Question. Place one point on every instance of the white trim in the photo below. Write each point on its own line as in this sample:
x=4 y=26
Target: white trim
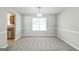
x=39 y=35
x=3 y=32
x=5 y=46
x=69 y=43
x=68 y=30
x=18 y=37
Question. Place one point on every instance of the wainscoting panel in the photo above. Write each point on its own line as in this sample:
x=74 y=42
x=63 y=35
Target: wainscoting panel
x=69 y=36
x=3 y=39
x=51 y=31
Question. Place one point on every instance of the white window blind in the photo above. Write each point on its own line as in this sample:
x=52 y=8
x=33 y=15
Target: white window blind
x=39 y=24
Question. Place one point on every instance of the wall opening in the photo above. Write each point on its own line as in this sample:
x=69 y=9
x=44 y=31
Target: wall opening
x=10 y=28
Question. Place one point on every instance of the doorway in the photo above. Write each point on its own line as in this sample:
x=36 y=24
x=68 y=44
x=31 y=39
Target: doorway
x=10 y=28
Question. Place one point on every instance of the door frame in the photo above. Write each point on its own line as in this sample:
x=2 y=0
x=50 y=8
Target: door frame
x=14 y=23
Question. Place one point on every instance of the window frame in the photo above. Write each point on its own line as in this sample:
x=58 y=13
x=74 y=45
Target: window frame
x=39 y=25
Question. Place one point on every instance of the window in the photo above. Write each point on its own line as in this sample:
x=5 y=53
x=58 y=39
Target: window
x=39 y=24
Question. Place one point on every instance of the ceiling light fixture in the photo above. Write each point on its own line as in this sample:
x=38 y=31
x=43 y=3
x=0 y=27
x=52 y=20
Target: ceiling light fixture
x=39 y=12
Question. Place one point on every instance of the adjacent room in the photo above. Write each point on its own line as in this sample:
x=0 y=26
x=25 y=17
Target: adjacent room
x=39 y=28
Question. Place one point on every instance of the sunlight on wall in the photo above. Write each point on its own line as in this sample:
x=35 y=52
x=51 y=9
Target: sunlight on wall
x=8 y=16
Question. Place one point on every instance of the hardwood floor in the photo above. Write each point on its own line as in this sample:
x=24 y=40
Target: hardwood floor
x=40 y=44
x=10 y=42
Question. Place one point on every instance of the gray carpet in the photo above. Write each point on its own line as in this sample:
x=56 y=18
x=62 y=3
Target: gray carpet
x=40 y=44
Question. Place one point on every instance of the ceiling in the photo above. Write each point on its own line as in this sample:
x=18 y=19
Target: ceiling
x=43 y=10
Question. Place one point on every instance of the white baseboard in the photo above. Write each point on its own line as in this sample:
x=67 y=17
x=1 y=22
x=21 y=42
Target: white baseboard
x=5 y=46
x=39 y=35
x=18 y=37
x=69 y=43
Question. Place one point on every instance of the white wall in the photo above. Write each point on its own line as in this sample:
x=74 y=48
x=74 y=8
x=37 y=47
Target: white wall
x=3 y=32
x=68 y=26
x=18 y=22
x=27 y=26
x=18 y=26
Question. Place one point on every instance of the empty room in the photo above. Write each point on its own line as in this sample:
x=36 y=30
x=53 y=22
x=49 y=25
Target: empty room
x=39 y=28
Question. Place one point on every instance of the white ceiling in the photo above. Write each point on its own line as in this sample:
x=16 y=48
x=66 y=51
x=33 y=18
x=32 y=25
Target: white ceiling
x=43 y=10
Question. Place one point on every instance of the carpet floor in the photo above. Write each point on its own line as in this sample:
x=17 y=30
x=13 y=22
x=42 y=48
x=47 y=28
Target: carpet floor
x=40 y=44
